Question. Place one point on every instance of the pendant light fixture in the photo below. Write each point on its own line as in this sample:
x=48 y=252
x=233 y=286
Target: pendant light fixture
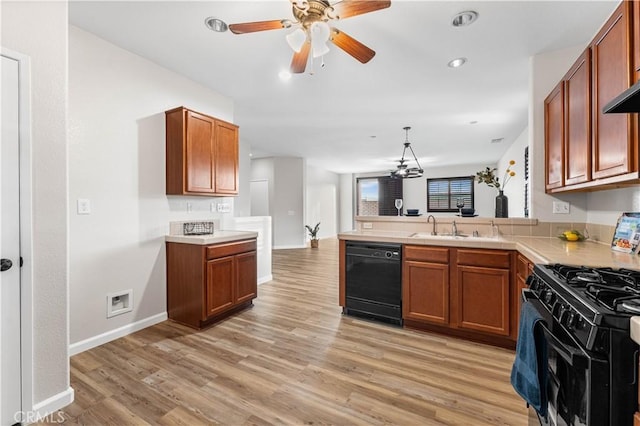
x=403 y=171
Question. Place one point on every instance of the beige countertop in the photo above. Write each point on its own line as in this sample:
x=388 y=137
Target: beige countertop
x=215 y=238
x=536 y=249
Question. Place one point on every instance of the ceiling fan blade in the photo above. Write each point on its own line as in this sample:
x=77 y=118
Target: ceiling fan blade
x=349 y=8
x=299 y=61
x=252 y=27
x=352 y=46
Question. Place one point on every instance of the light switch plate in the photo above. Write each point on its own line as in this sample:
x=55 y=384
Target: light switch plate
x=560 y=207
x=84 y=206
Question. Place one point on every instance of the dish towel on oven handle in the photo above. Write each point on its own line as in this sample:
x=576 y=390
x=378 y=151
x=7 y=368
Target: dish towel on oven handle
x=529 y=372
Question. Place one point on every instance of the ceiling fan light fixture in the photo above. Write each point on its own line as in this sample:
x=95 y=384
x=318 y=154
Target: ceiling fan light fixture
x=320 y=32
x=296 y=39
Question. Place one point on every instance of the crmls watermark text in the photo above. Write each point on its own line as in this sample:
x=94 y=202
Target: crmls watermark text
x=33 y=417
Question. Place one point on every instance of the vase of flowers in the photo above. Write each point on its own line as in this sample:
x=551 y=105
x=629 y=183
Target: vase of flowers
x=488 y=176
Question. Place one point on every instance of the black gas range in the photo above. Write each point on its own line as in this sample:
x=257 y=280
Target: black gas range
x=592 y=361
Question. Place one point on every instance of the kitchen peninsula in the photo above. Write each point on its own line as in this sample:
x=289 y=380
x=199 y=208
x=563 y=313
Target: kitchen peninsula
x=469 y=286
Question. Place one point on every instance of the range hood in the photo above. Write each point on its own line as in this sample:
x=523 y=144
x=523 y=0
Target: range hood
x=627 y=101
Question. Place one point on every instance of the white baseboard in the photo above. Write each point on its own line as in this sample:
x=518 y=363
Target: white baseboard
x=101 y=339
x=50 y=405
x=265 y=279
x=289 y=247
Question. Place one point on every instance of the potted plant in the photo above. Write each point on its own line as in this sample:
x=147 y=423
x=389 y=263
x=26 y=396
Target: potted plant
x=313 y=233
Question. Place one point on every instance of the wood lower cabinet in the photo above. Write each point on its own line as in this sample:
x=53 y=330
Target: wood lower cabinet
x=206 y=283
x=524 y=268
x=425 y=284
x=201 y=154
x=459 y=291
x=483 y=291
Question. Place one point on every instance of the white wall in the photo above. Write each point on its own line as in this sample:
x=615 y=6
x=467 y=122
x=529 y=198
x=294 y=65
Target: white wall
x=346 y=204
x=39 y=30
x=286 y=177
x=514 y=188
x=117 y=160
x=322 y=200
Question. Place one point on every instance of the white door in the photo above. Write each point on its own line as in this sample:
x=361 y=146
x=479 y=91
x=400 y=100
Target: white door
x=10 y=383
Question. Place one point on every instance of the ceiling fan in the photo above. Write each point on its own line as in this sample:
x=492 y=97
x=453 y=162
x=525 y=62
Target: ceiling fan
x=313 y=30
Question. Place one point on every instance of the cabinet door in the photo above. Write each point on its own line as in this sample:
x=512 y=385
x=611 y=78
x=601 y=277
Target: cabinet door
x=226 y=158
x=246 y=276
x=199 y=153
x=220 y=285
x=636 y=39
x=554 y=137
x=577 y=94
x=425 y=292
x=524 y=268
x=611 y=63
x=483 y=299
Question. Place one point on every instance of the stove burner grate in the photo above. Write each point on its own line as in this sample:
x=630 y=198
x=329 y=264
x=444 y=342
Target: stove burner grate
x=583 y=276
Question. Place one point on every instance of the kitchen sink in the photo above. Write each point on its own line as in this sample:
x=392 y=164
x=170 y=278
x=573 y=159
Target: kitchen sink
x=447 y=236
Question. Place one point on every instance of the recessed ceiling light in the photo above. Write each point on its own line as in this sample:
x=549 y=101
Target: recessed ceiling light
x=465 y=18
x=458 y=62
x=497 y=140
x=473 y=122
x=215 y=24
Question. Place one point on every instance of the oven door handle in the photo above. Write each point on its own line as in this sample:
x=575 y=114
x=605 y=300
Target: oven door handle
x=570 y=354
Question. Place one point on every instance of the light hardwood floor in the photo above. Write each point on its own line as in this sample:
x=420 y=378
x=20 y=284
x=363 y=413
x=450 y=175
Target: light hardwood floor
x=293 y=359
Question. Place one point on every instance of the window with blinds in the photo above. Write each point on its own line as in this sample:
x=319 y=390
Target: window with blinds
x=443 y=193
x=377 y=195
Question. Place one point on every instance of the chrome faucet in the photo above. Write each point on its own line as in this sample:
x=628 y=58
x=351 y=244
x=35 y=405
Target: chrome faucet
x=454 y=229
x=433 y=231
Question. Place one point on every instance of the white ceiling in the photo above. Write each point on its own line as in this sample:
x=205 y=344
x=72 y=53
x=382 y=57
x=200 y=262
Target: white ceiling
x=348 y=117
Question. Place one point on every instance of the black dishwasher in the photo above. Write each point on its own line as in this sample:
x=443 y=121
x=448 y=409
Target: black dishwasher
x=373 y=281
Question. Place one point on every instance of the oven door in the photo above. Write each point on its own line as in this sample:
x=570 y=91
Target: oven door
x=577 y=380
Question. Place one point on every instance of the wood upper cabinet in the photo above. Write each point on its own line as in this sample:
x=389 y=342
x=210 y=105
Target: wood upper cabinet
x=226 y=158
x=425 y=284
x=600 y=150
x=577 y=121
x=205 y=283
x=613 y=137
x=483 y=292
x=202 y=154
x=554 y=137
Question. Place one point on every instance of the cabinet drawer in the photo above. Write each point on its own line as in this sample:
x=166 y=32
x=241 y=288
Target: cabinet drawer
x=229 y=249
x=426 y=254
x=485 y=258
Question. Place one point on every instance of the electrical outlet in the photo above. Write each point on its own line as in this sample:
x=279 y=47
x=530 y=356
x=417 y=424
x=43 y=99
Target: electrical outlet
x=367 y=225
x=224 y=207
x=84 y=206
x=560 y=207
